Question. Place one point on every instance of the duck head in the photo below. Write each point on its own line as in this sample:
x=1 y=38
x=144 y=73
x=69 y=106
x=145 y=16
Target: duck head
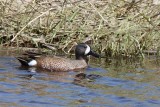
x=83 y=50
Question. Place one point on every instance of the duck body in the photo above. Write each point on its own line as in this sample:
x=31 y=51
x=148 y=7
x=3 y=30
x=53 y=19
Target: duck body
x=60 y=64
x=54 y=63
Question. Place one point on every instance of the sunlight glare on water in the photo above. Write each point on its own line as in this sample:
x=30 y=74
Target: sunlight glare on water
x=119 y=84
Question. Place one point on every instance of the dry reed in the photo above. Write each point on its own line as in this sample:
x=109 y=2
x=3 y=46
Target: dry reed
x=115 y=27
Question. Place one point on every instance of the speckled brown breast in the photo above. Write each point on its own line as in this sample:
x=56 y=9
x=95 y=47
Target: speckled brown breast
x=60 y=64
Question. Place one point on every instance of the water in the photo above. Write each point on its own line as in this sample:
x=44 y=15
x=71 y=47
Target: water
x=119 y=84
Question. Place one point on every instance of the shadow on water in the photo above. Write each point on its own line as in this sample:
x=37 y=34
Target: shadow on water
x=113 y=83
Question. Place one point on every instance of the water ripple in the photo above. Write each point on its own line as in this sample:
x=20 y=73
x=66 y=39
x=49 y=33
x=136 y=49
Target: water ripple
x=114 y=87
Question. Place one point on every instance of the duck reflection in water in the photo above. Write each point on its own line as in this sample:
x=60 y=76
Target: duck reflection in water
x=75 y=77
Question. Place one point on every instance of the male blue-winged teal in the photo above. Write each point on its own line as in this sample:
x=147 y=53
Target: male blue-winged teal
x=54 y=63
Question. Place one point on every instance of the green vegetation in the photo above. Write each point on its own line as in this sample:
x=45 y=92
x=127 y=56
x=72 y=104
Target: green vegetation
x=114 y=27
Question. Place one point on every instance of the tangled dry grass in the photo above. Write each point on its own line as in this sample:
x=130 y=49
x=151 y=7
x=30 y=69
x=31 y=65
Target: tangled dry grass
x=114 y=27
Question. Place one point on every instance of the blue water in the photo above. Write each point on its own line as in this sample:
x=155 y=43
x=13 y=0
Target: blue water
x=131 y=84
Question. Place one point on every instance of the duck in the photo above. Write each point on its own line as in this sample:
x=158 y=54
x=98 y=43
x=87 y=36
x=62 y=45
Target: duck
x=55 y=63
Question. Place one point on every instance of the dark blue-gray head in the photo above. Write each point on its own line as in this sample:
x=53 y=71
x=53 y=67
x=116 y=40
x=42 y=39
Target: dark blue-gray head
x=83 y=50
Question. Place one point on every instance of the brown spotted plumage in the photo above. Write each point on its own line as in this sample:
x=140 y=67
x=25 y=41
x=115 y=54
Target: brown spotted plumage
x=60 y=64
x=54 y=63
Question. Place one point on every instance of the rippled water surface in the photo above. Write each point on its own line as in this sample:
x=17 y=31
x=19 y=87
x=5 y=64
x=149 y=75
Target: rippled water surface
x=119 y=83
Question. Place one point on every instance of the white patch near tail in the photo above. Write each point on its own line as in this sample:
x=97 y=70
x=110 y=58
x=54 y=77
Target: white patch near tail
x=88 y=49
x=32 y=63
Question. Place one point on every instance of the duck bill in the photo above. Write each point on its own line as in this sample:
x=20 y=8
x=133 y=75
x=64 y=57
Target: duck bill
x=94 y=54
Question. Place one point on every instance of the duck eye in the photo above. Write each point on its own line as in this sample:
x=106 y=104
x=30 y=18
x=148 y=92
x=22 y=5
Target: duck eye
x=85 y=46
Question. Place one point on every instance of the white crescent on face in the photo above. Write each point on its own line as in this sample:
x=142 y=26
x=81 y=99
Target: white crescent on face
x=88 y=49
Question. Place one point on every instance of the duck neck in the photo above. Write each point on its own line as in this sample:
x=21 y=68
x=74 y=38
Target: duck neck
x=82 y=58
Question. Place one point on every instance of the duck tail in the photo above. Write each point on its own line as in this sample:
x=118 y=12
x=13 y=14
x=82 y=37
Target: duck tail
x=27 y=61
x=23 y=61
